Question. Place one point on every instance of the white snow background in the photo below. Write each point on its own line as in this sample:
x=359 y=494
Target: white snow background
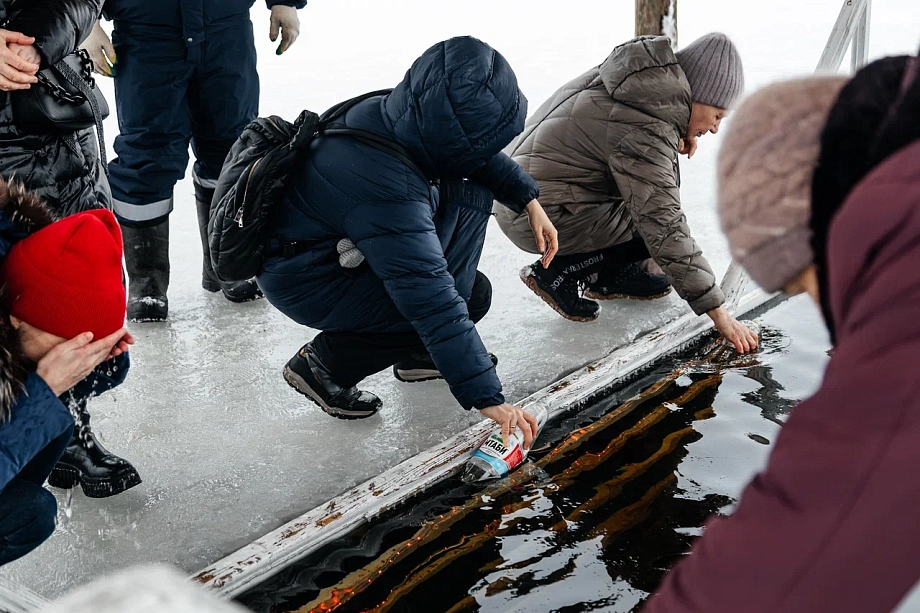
x=226 y=449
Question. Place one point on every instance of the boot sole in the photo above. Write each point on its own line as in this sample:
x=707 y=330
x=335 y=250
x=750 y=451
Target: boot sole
x=532 y=284
x=144 y=312
x=297 y=382
x=67 y=477
x=595 y=296
x=416 y=376
x=214 y=288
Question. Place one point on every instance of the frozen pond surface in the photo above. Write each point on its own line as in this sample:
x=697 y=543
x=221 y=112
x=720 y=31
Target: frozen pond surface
x=226 y=449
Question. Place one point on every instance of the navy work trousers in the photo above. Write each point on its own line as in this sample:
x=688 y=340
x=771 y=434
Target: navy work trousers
x=170 y=95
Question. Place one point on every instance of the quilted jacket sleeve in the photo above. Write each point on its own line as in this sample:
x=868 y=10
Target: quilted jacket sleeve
x=59 y=26
x=642 y=164
x=36 y=418
x=508 y=182
x=400 y=243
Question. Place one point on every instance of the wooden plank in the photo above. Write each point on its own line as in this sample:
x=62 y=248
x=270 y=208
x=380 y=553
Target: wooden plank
x=267 y=555
x=847 y=21
x=15 y=598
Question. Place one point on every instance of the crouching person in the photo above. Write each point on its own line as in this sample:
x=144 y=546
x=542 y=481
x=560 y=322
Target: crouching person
x=604 y=150
x=417 y=227
x=61 y=314
x=831 y=208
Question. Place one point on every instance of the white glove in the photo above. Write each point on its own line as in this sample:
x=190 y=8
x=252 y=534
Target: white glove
x=101 y=51
x=349 y=256
x=285 y=19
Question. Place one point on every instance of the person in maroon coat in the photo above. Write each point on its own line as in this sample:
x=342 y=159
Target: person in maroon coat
x=819 y=192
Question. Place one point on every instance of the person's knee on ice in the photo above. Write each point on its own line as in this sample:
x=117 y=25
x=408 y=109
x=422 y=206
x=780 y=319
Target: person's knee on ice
x=602 y=187
x=819 y=193
x=421 y=243
x=64 y=311
x=27 y=518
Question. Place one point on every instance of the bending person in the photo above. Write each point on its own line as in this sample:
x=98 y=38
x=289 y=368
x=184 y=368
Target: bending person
x=417 y=292
x=604 y=150
x=62 y=310
x=819 y=192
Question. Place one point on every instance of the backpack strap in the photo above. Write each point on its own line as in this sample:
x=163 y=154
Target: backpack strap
x=343 y=107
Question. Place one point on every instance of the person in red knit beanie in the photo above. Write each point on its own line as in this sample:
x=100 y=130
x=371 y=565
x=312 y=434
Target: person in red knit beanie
x=66 y=278
x=62 y=312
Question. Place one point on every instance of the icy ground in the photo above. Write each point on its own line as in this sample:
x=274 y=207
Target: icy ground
x=226 y=450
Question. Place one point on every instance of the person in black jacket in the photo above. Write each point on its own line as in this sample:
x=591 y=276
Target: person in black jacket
x=384 y=259
x=62 y=308
x=66 y=173
x=185 y=72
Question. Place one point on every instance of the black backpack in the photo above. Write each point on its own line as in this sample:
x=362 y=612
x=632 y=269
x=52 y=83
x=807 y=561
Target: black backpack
x=253 y=178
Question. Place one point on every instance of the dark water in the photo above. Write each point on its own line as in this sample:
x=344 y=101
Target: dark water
x=608 y=500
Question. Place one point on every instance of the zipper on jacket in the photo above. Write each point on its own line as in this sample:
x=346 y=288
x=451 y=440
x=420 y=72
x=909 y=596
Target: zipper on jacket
x=239 y=214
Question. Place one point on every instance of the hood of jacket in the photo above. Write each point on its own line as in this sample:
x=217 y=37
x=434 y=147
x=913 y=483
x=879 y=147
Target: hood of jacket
x=644 y=74
x=458 y=105
x=21 y=213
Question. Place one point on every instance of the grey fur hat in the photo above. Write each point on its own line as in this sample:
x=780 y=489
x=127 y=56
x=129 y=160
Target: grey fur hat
x=713 y=68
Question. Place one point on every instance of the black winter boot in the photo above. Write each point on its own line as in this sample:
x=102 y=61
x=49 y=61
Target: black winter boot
x=560 y=292
x=630 y=281
x=420 y=367
x=147 y=260
x=240 y=291
x=87 y=463
x=306 y=374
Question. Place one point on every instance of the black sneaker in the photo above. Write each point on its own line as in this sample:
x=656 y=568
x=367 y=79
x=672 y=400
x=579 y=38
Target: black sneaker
x=306 y=374
x=560 y=292
x=420 y=367
x=631 y=281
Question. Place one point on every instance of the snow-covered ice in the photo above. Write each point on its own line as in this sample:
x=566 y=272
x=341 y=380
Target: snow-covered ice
x=226 y=449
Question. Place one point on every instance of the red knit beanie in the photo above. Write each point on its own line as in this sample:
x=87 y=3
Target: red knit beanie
x=66 y=278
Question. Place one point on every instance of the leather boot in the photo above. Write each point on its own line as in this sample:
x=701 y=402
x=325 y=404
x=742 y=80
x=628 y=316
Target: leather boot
x=147 y=260
x=87 y=463
x=240 y=291
x=306 y=374
x=559 y=291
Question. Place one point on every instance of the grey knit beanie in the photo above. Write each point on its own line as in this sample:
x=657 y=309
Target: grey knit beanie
x=766 y=163
x=713 y=67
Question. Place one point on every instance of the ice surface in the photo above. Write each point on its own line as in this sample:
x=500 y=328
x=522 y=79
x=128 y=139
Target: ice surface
x=226 y=449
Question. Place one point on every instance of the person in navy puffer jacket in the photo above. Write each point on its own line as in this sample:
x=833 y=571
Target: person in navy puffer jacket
x=62 y=308
x=414 y=299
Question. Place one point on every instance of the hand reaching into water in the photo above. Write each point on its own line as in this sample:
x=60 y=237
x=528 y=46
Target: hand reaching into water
x=511 y=417
x=743 y=338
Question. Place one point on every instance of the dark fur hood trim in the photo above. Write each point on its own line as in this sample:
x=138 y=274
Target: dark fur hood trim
x=21 y=213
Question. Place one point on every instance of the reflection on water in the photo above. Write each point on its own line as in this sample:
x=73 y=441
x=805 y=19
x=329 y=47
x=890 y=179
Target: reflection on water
x=606 y=503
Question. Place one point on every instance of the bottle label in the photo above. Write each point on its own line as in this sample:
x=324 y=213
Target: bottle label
x=509 y=457
x=500 y=467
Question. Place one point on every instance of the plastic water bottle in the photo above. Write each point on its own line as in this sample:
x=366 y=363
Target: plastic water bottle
x=494 y=459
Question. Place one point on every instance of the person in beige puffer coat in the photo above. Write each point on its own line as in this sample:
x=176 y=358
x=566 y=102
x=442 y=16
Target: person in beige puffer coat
x=604 y=151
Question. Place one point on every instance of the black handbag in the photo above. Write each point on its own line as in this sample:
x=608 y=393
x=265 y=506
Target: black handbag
x=65 y=99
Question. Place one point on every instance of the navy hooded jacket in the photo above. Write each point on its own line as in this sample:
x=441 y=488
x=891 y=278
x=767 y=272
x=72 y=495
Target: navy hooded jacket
x=457 y=107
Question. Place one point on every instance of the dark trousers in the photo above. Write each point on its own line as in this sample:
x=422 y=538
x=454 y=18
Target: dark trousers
x=352 y=356
x=582 y=265
x=461 y=221
x=170 y=95
x=28 y=510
